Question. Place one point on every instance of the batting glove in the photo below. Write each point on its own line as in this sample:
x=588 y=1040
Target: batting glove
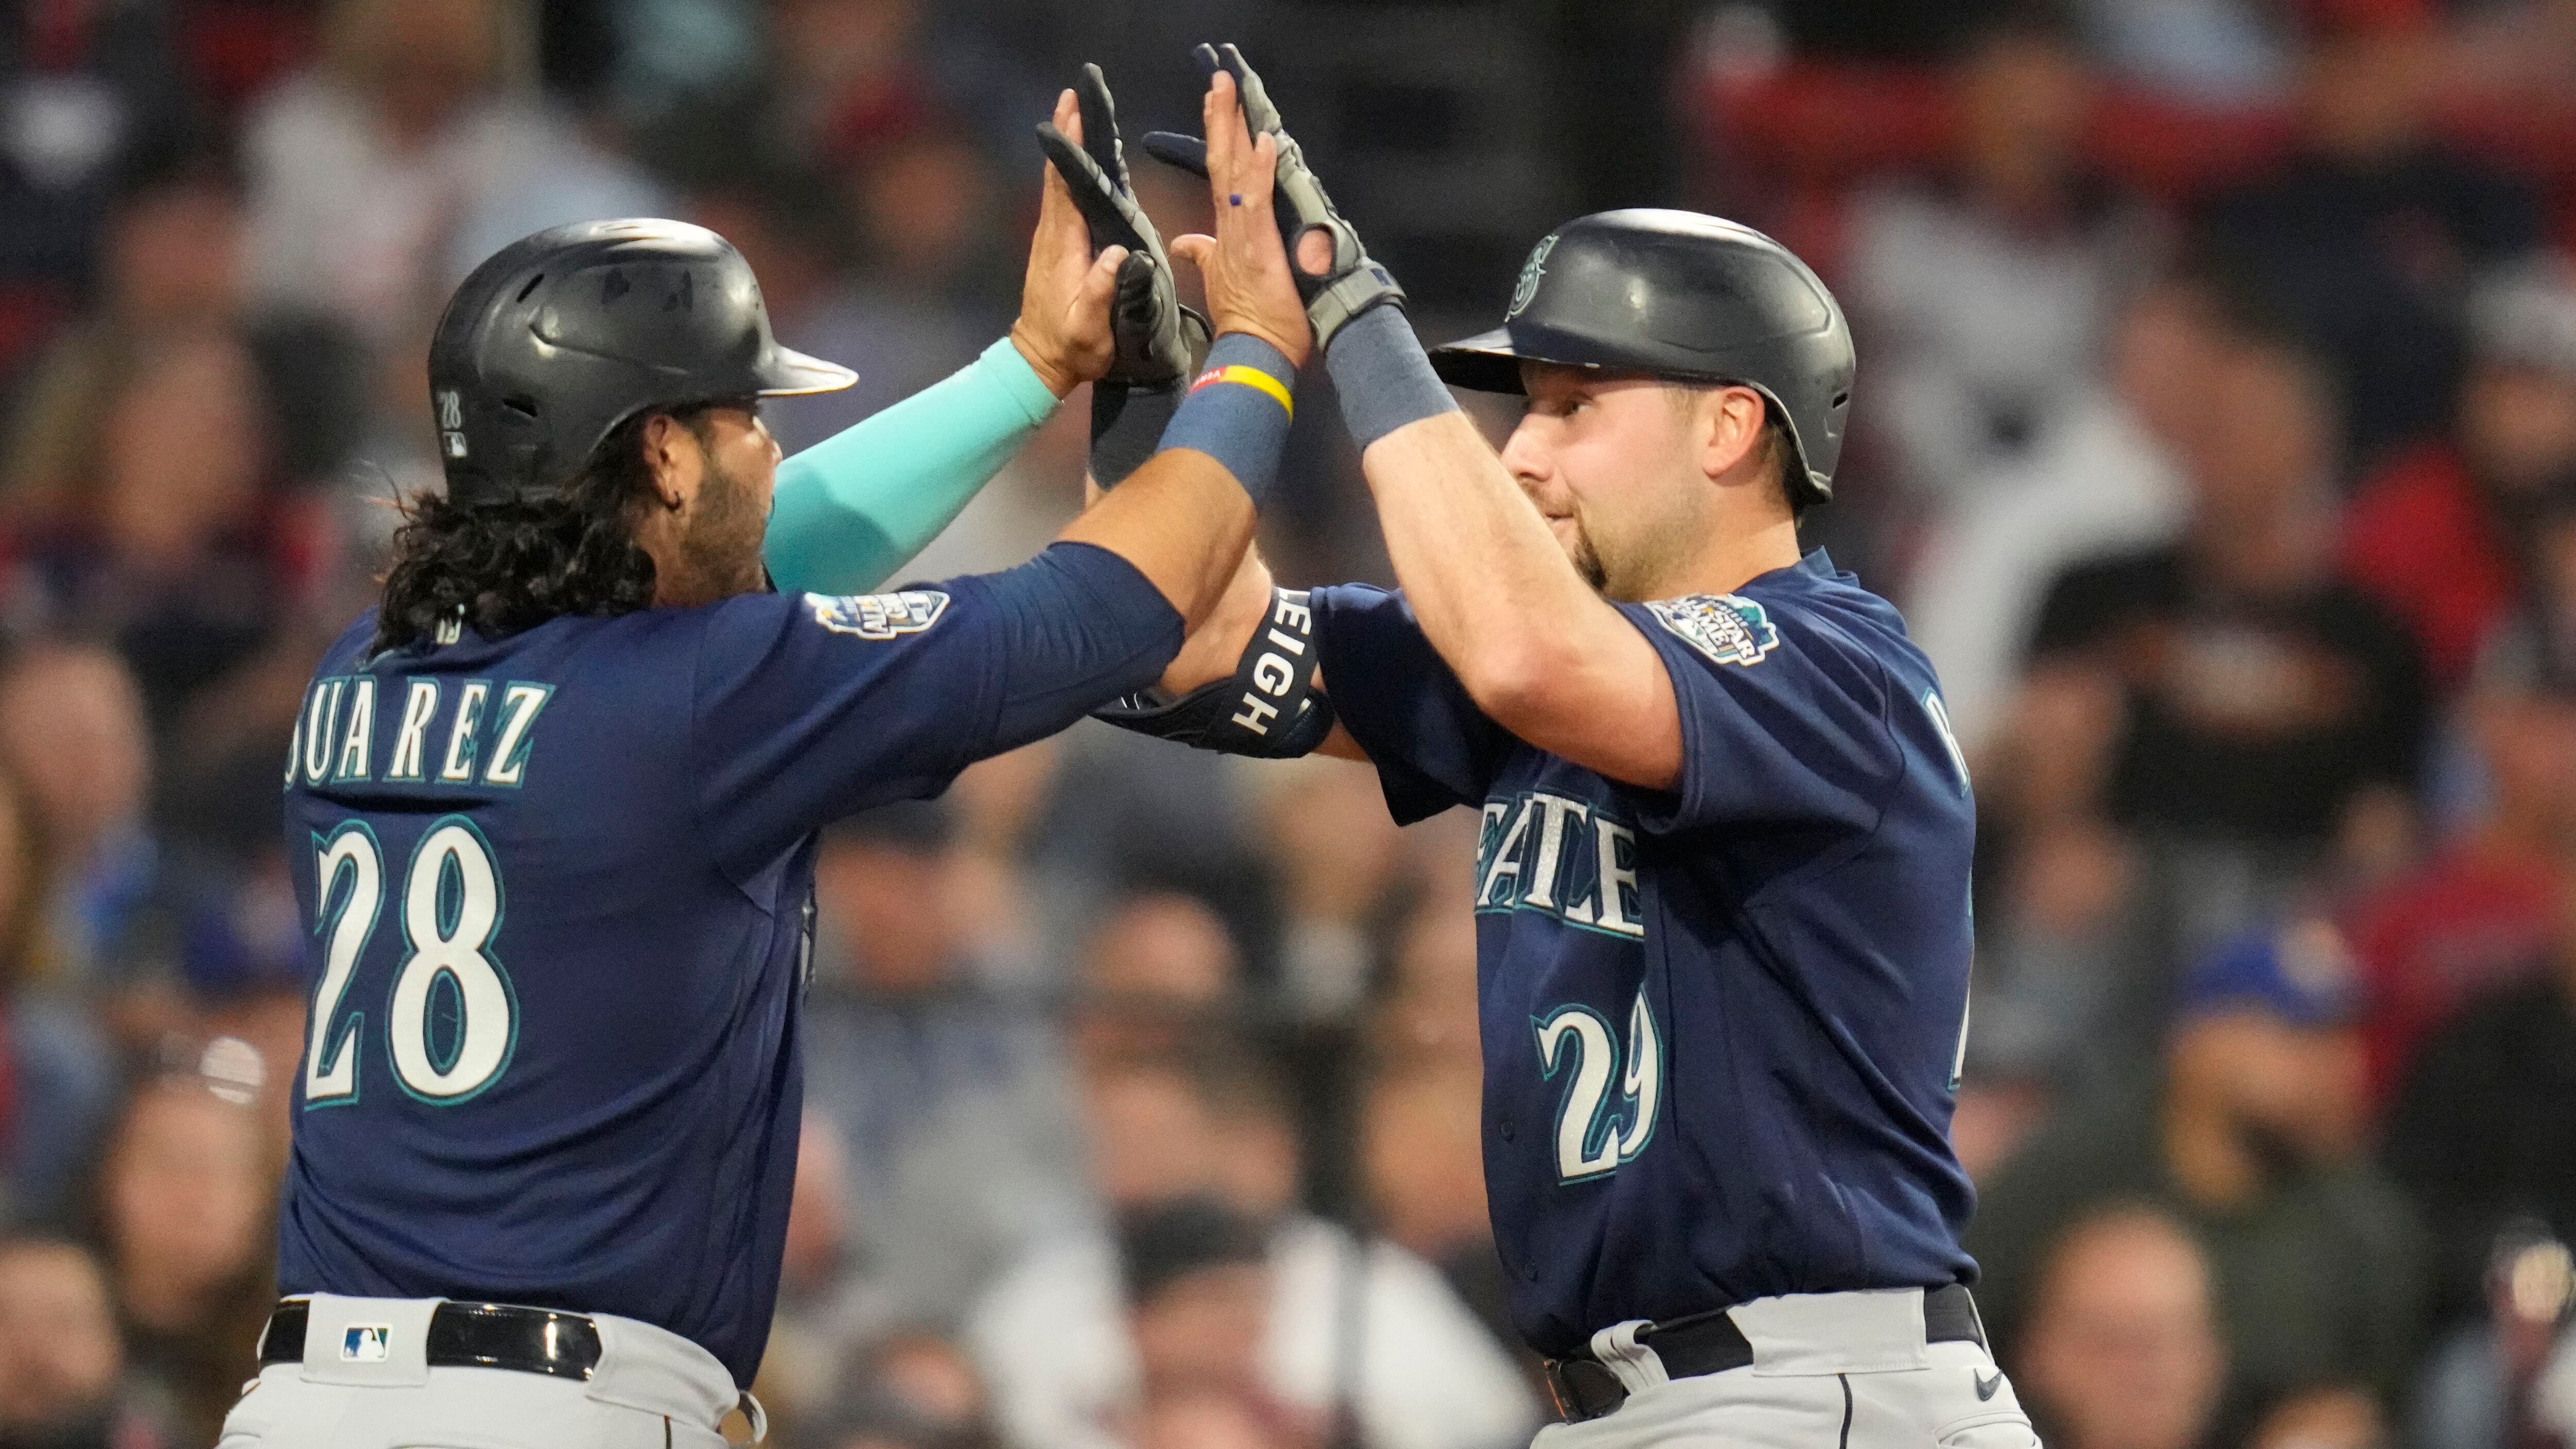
x=1159 y=341
x=1351 y=283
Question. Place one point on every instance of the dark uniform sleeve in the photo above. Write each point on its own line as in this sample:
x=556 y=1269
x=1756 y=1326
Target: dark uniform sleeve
x=1432 y=747
x=1784 y=720
x=810 y=707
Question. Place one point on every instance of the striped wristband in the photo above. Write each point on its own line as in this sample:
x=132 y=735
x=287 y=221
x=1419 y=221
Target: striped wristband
x=1238 y=409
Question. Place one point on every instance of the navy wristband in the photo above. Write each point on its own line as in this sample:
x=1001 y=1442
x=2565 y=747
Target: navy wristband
x=1381 y=376
x=1238 y=409
x=1127 y=426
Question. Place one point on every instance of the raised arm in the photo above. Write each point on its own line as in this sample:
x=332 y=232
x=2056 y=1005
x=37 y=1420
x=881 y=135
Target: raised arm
x=1185 y=517
x=1535 y=647
x=857 y=506
x=1549 y=659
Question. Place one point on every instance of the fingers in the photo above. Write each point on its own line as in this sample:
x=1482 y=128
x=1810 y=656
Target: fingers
x=1258 y=112
x=1197 y=250
x=1099 y=133
x=1174 y=149
x=1091 y=190
x=1259 y=164
x=1068 y=115
x=1221 y=121
x=1101 y=281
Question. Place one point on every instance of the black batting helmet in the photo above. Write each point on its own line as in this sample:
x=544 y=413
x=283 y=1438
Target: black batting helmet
x=1678 y=295
x=561 y=336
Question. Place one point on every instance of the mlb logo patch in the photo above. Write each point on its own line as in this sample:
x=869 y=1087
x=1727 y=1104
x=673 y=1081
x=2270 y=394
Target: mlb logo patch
x=1726 y=627
x=366 y=1342
x=878 y=616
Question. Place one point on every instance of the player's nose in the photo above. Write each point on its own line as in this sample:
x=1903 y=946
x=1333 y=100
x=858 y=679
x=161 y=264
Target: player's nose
x=1527 y=457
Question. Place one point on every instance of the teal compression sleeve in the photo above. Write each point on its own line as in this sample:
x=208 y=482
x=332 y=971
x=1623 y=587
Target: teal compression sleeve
x=857 y=506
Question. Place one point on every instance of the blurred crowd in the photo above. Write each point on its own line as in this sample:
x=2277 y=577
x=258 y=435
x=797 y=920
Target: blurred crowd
x=2216 y=429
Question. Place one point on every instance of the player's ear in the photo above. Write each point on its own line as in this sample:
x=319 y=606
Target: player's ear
x=670 y=456
x=1727 y=426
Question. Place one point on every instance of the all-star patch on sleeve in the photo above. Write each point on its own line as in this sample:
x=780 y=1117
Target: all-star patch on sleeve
x=879 y=616
x=1727 y=628
x=1784 y=713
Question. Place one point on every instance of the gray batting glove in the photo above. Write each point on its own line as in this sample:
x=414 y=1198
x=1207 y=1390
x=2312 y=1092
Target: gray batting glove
x=1351 y=283
x=1158 y=340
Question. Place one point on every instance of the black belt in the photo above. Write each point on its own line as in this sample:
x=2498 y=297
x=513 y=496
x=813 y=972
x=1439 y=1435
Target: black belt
x=468 y=1335
x=1709 y=1343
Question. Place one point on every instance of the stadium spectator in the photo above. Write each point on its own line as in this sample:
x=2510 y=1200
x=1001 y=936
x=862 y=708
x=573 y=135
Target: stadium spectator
x=2500 y=1378
x=2121 y=1348
x=61 y=1361
x=1326 y=825
x=2254 y=1142
x=1423 y=1171
x=2443 y=534
x=173 y=266
x=1200 y=1419
x=1061 y=1365
x=381 y=175
x=822 y=1303
x=826 y=298
x=2475 y=1134
x=2371 y=229
x=92 y=91
x=2480 y=914
x=948 y=1097
x=927 y=206
x=1159 y=973
x=1426 y=1014
x=59 y=1078
x=2101 y=476
x=1986 y=291
x=184 y=1201
x=1196 y=1278
x=843 y=1364
x=2262 y=709
x=165 y=530
x=72 y=730
x=907 y=1390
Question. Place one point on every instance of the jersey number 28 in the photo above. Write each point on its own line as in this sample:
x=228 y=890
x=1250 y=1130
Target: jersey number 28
x=452 y=1019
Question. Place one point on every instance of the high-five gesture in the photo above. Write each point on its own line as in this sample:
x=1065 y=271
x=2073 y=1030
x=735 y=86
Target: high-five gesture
x=1249 y=286
x=1159 y=341
x=1063 y=329
x=1334 y=273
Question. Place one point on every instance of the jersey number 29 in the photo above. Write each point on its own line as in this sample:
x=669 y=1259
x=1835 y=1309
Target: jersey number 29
x=1593 y=1136
x=452 y=1018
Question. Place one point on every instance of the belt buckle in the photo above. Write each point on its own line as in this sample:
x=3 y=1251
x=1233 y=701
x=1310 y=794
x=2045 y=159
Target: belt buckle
x=1578 y=1400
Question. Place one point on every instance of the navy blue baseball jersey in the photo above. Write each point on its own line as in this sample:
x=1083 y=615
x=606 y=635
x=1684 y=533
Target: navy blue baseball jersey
x=561 y=886
x=1721 y=1024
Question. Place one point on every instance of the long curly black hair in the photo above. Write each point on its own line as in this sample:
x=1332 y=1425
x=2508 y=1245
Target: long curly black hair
x=508 y=565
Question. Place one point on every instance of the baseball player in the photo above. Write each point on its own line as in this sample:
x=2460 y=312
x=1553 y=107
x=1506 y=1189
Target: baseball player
x=556 y=801
x=1722 y=882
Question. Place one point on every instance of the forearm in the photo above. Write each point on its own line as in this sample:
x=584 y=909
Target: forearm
x=1182 y=520
x=1490 y=584
x=854 y=508
x=1215 y=646
x=1185 y=518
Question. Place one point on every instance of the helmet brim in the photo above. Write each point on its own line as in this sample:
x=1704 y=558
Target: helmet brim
x=1486 y=362
x=793 y=374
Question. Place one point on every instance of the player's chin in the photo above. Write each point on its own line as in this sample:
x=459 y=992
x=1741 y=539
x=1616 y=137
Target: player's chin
x=1578 y=550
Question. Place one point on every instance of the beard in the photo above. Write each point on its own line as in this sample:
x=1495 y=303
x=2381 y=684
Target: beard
x=1585 y=558
x=718 y=556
